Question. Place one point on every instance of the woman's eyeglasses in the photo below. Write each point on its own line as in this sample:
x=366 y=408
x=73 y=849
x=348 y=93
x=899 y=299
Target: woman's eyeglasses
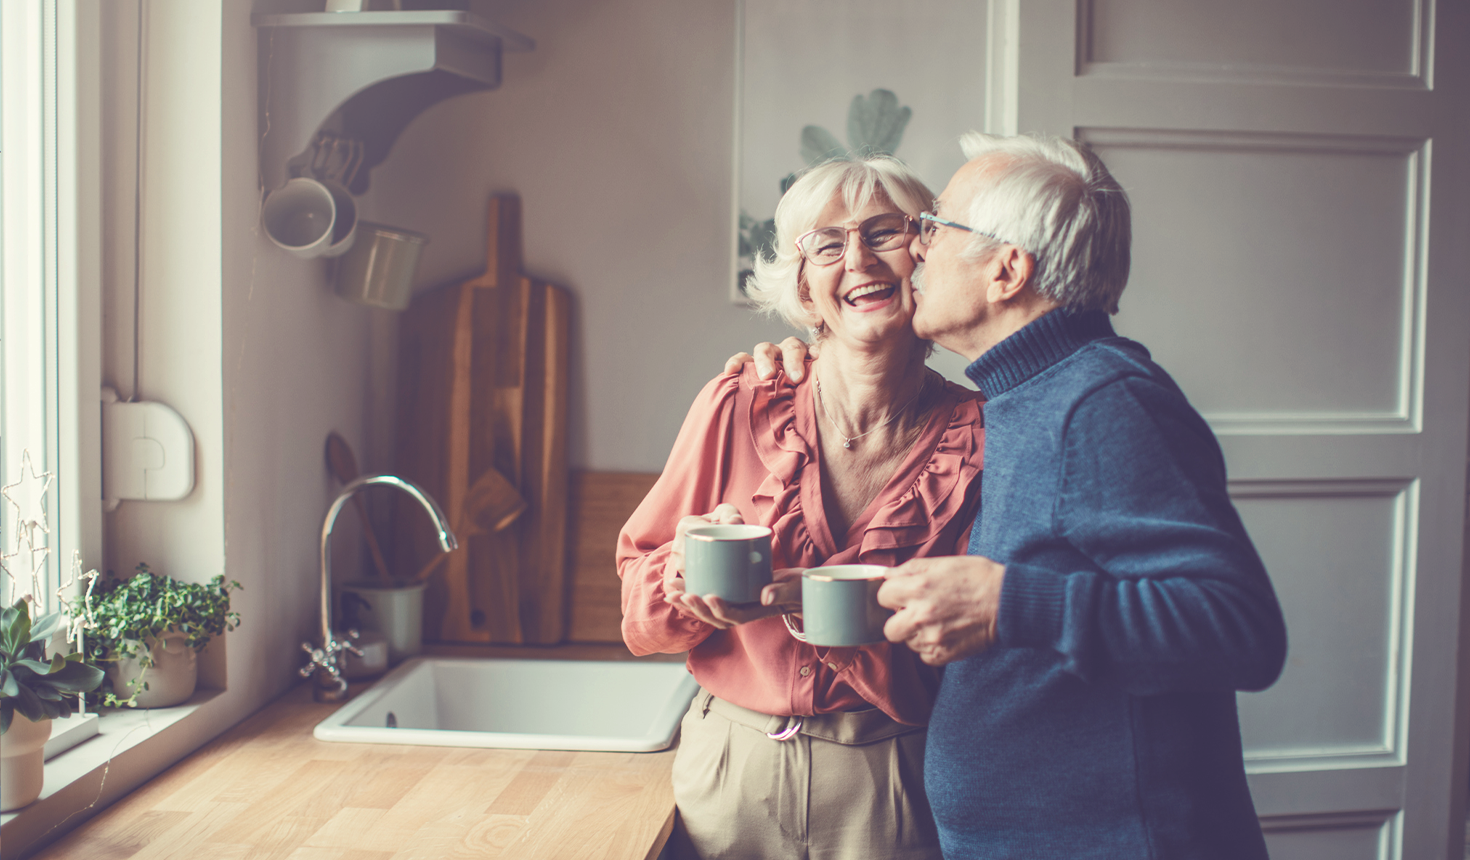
x=827 y=245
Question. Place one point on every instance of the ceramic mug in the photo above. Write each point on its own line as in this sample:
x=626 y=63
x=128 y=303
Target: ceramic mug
x=344 y=224
x=299 y=217
x=839 y=604
x=732 y=562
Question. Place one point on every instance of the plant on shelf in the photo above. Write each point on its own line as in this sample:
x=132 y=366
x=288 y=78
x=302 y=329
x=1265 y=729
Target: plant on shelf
x=148 y=629
x=31 y=685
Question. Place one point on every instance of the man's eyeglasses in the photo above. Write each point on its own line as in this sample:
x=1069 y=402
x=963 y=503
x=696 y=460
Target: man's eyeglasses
x=929 y=222
x=827 y=245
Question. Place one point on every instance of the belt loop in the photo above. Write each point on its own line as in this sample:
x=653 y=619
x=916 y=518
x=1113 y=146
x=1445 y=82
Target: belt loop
x=793 y=726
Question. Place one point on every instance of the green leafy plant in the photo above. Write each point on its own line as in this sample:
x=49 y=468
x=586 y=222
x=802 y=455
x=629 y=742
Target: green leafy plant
x=38 y=688
x=124 y=616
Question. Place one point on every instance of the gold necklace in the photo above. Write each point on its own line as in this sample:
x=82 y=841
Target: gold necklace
x=848 y=440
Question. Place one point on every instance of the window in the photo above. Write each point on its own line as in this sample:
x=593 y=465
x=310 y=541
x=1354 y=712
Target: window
x=49 y=307
x=29 y=295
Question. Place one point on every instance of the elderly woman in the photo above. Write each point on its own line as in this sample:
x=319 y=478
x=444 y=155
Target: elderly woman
x=792 y=750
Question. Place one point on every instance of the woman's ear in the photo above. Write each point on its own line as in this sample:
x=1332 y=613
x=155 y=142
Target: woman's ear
x=804 y=295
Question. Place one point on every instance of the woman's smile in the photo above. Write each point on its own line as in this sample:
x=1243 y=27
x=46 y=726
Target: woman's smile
x=870 y=297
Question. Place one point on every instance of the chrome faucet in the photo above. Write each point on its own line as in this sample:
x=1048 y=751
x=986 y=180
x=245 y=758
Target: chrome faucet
x=330 y=685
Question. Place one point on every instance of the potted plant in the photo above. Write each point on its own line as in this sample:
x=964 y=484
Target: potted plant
x=148 y=629
x=33 y=692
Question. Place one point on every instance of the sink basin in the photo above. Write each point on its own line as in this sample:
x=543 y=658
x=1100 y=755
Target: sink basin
x=519 y=704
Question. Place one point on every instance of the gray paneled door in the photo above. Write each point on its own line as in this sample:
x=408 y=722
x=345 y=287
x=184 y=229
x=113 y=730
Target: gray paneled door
x=1300 y=176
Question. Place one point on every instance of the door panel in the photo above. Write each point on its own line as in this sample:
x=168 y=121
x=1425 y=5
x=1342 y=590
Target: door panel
x=1351 y=837
x=1297 y=172
x=1241 y=217
x=1336 y=551
x=1377 y=40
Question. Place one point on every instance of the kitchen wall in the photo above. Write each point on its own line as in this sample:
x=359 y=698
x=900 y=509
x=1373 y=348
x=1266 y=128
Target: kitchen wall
x=617 y=132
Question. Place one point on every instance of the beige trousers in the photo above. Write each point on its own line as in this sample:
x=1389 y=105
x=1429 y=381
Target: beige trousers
x=842 y=787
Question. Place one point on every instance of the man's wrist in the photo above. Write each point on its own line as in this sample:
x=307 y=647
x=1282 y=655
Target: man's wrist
x=1031 y=607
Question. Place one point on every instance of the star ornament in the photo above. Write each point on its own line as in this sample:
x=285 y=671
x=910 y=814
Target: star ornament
x=28 y=496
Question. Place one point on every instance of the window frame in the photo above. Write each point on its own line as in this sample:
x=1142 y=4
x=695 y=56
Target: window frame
x=50 y=300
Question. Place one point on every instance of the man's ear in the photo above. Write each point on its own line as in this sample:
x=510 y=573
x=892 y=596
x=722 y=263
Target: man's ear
x=1010 y=272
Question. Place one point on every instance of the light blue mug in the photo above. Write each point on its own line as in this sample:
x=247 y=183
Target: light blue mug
x=839 y=604
x=730 y=561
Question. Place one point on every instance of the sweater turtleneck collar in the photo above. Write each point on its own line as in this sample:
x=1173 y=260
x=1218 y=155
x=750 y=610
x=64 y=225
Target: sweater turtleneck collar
x=1040 y=344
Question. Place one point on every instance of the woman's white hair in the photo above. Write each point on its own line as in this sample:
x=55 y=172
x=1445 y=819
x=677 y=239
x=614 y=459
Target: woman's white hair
x=1055 y=199
x=777 y=286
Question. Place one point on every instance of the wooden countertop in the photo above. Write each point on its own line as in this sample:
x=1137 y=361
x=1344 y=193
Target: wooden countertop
x=268 y=789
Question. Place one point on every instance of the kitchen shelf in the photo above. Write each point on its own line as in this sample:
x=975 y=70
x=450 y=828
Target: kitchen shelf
x=364 y=76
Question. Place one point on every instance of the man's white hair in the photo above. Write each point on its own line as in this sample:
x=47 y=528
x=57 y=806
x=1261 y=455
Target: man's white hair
x=1055 y=199
x=777 y=286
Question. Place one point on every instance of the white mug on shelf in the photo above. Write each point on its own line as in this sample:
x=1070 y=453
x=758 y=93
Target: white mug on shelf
x=299 y=217
x=344 y=223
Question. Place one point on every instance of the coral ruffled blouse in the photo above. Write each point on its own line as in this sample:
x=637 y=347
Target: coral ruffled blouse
x=753 y=443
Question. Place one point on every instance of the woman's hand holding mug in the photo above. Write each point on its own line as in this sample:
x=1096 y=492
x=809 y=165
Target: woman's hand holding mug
x=781 y=595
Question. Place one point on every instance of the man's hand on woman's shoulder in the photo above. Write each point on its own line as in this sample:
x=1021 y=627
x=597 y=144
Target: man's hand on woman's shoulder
x=790 y=353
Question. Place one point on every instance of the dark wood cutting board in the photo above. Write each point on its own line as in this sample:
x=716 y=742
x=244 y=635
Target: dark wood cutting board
x=482 y=383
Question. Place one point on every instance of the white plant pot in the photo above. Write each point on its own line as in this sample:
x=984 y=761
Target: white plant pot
x=22 y=762
x=171 y=679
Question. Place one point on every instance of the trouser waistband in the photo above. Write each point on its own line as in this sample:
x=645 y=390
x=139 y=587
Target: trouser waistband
x=844 y=727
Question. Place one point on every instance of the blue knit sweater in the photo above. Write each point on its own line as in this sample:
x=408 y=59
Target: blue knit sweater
x=1102 y=723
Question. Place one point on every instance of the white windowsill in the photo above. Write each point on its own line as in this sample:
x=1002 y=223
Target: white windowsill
x=69 y=732
x=117 y=731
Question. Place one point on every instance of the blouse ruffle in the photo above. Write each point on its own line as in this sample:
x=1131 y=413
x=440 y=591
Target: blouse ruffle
x=912 y=518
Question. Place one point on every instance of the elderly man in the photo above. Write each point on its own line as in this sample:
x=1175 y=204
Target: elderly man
x=1111 y=603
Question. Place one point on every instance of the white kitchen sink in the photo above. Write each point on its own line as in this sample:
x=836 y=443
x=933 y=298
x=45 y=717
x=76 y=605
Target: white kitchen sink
x=616 y=706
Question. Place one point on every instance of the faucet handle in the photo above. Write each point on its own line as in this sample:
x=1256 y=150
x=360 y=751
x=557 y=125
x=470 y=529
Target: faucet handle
x=326 y=657
x=319 y=659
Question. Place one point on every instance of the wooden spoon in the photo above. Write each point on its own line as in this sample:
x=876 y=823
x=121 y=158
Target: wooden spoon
x=490 y=504
x=343 y=467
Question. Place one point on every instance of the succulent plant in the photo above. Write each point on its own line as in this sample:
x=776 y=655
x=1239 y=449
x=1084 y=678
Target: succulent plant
x=38 y=688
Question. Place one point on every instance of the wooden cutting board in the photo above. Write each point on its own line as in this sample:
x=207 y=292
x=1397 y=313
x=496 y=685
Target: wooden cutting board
x=482 y=384
x=601 y=503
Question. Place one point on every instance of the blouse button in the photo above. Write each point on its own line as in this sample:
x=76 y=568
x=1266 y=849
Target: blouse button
x=832 y=666
x=805 y=670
